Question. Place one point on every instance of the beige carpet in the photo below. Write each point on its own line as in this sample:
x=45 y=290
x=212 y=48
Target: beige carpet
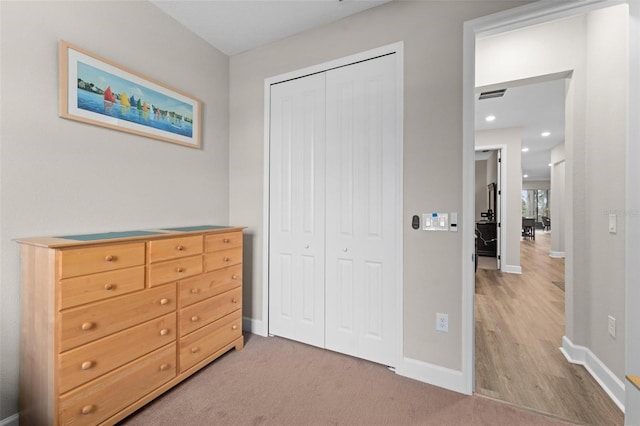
x=274 y=381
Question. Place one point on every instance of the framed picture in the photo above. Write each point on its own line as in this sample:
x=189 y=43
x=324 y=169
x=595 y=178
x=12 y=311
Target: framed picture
x=98 y=91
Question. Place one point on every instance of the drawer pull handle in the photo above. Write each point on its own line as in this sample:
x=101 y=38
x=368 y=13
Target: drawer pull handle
x=195 y=350
x=164 y=331
x=164 y=301
x=180 y=247
x=109 y=258
x=109 y=287
x=195 y=318
x=195 y=290
x=87 y=326
x=87 y=409
x=234 y=277
x=226 y=241
x=164 y=367
x=234 y=300
x=226 y=259
x=87 y=365
x=234 y=327
x=179 y=269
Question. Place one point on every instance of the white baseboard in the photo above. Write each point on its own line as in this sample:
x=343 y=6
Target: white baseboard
x=253 y=326
x=11 y=420
x=512 y=269
x=608 y=381
x=557 y=254
x=432 y=374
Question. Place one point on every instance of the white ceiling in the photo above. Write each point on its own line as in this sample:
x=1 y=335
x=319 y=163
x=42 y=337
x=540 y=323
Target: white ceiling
x=536 y=108
x=236 y=26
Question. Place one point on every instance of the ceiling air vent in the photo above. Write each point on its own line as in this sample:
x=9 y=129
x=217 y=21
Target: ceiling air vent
x=492 y=94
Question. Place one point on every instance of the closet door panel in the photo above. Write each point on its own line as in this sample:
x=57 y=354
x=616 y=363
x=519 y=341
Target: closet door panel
x=361 y=218
x=297 y=190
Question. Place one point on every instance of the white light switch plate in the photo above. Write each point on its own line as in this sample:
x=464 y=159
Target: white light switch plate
x=613 y=225
x=435 y=221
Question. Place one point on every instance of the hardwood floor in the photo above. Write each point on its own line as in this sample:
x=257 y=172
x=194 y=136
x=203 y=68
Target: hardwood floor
x=519 y=329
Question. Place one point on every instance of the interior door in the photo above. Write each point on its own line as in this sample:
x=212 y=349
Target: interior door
x=297 y=192
x=361 y=215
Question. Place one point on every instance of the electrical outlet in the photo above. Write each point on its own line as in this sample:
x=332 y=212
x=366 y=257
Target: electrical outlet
x=442 y=322
x=612 y=326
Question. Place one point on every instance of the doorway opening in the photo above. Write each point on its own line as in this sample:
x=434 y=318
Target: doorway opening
x=488 y=195
x=529 y=120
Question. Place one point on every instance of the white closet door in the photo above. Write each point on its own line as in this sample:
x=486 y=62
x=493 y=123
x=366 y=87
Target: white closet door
x=361 y=210
x=297 y=191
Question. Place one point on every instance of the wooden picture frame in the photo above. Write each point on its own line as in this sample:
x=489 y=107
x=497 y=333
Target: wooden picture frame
x=98 y=91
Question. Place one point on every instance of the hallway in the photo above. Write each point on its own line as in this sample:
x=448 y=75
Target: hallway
x=519 y=329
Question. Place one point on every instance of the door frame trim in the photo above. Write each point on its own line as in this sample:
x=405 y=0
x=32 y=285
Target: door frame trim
x=508 y=20
x=398 y=50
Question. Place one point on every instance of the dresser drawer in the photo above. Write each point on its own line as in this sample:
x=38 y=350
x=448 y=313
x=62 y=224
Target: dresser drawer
x=216 y=242
x=104 y=397
x=174 y=270
x=198 y=288
x=202 y=343
x=210 y=310
x=80 y=365
x=89 y=260
x=91 y=322
x=222 y=259
x=91 y=288
x=174 y=248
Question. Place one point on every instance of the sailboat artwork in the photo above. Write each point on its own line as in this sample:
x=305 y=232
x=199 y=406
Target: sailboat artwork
x=104 y=94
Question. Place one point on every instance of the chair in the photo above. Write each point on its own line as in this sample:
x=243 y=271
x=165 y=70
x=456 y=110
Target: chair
x=546 y=223
x=529 y=228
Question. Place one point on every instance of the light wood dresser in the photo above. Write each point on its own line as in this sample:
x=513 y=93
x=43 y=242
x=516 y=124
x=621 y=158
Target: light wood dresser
x=111 y=321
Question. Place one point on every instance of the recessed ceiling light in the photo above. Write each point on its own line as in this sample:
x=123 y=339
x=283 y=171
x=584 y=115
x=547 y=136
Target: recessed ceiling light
x=525 y=149
x=550 y=164
x=525 y=176
x=545 y=134
x=490 y=118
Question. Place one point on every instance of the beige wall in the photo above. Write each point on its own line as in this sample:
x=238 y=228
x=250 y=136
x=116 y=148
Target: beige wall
x=594 y=48
x=64 y=177
x=432 y=35
x=511 y=140
x=536 y=184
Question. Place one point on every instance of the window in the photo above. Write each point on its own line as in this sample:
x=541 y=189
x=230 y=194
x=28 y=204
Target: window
x=535 y=203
